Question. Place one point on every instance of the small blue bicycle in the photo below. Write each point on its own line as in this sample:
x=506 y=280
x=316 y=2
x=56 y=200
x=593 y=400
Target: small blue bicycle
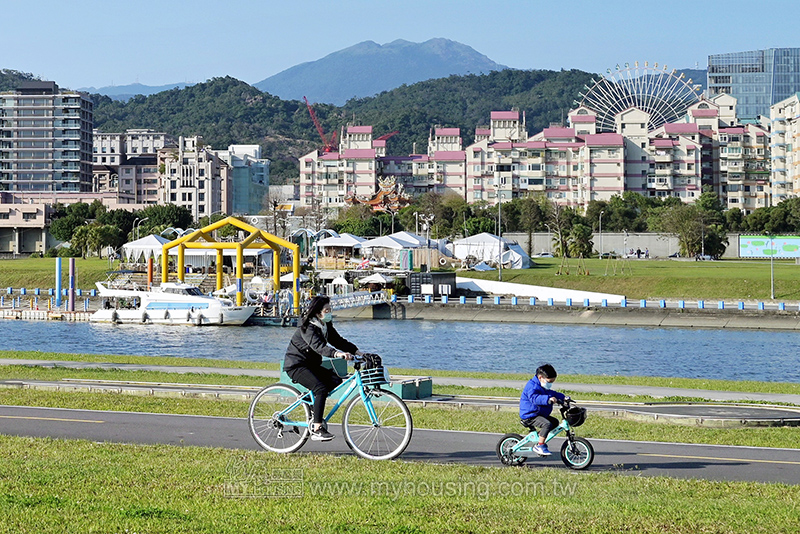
x=376 y=423
x=576 y=453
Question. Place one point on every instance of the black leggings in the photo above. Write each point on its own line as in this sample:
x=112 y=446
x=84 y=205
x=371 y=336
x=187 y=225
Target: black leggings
x=543 y=424
x=320 y=381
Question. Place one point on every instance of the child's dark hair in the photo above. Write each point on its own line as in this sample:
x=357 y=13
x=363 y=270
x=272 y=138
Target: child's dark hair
x=314 y=308
x=547 y=371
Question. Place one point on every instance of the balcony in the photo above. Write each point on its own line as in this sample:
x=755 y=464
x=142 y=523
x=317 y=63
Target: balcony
x=664 y=172
x=664 y=157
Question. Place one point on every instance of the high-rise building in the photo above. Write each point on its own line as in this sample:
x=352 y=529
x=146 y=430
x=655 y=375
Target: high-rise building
x=45 y=139
x=758 y=78
x=785 y=149
x=249 y=174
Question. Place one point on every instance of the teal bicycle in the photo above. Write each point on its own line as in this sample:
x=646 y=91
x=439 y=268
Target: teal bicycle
x=376 y=423
x=576 y=453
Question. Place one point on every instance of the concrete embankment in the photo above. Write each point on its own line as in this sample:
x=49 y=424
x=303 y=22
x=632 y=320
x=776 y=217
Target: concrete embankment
x=611 y=316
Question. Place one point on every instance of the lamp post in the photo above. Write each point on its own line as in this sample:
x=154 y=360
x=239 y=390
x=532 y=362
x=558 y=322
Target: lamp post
x=500 y=236
x=426 y=225
x=601 y=234
x=771 y=267
x=416 y=218
x=138 y=225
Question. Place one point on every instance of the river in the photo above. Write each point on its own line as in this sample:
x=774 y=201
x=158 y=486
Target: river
x=461 y=346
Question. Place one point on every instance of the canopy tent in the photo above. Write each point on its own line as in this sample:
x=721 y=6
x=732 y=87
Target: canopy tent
x=289 y=277
x=389 y=242
x=376 y=278
x=486 y=247
x=342 y=240
x=149 y=245
x=409 y=237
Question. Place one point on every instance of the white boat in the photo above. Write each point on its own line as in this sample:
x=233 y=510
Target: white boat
x=171 y=303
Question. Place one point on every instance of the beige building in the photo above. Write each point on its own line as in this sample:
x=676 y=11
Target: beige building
x=194 y=177
x=785 y=148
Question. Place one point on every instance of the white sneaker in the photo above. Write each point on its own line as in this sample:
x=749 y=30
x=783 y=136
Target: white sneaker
x=321 y=434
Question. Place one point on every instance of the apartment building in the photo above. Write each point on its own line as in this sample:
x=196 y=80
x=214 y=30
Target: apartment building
x=115 y=148
x=785 y=148
x=195 y=177
x=45 y=139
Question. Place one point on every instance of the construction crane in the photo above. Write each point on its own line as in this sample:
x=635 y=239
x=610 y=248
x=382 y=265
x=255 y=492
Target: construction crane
x=384 y=137
x=327 y=146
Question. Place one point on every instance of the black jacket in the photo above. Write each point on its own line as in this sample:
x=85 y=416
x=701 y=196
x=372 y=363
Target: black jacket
x=307 y=348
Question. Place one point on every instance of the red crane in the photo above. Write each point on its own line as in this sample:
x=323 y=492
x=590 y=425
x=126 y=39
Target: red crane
x=384 y=137
x=327 y=146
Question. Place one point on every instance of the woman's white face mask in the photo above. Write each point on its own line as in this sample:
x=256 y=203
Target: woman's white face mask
x=327 y=317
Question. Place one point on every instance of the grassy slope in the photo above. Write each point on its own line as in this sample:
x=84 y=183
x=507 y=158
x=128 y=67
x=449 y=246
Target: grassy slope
x=649 y=279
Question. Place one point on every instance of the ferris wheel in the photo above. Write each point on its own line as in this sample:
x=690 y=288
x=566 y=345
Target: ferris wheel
x=665 y=95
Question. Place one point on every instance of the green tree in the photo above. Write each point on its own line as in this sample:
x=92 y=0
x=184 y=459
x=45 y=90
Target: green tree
x=580 y=243
x=63 y=228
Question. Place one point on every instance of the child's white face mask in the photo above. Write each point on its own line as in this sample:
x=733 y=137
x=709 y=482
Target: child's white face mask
x=545 y=384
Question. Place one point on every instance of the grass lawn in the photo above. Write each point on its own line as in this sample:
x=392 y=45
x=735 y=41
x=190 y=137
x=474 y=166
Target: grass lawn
x=726 y=279
x=651 y=279
x=55 y=486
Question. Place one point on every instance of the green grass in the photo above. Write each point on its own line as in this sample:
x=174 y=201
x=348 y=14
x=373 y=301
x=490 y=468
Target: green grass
x=651 y=279
x=54 y=486
x=726 y=279
x=750 y=386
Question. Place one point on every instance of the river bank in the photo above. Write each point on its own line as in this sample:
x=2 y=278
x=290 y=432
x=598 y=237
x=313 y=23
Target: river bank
x=714 y=318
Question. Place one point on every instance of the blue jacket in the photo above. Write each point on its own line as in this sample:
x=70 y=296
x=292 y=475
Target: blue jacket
x=535 y=399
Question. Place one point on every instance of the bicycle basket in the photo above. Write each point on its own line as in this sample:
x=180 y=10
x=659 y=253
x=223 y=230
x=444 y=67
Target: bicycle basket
x=575 y=416
x=374 y=376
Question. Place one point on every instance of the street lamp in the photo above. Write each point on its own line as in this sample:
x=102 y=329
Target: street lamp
x=771 y=267
x=426 y=225
x=500 y=236
x=601 y=234
x=137 y=224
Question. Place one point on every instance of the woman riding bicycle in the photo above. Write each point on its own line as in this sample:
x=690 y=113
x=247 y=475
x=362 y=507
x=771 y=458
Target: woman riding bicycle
x=314 y=338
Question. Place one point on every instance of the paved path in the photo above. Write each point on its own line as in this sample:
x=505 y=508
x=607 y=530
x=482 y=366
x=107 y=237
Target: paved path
x=474 y=448
x=651 y=391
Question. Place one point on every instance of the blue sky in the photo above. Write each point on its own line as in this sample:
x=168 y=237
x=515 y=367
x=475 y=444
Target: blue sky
x=112 y=42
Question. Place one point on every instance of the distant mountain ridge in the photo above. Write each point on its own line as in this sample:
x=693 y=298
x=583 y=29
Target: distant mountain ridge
x=126 y=92
x=367 y=68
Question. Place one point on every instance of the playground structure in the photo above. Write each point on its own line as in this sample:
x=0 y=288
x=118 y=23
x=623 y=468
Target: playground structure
x=203 y=239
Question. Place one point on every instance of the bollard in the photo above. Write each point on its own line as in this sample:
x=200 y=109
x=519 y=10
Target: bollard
x=533 y=301
x=568 y=302
x=428 y=299
x=444 y=299
x=411 y=298
x=550 y=302
x=513 y=301
x=51 y=292
x=79 y=292
x=782 y=306
x=478 y=300
x=701 y=305
x=37 y=291
x=681 y=304
x=394 y=298
x=761 y=306
x=497 y=300
x=662 y=303
x=642 y=303
x=604 y=303
x=86 y=305
x=10 y=291
x=623 y=303
x=2 y=301
x=23 y=291
x=462 y=300
x=721 y=305
x=741 y=305
x=93 y=293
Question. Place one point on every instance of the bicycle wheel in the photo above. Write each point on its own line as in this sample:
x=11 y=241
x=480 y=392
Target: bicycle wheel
x=270 y=419
x=577 y=453
x=383 y=439
x=504 y=447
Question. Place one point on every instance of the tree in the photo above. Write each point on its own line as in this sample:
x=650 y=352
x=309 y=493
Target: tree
x=165 y=215
x=357 y=219
x=80 y=240
x=63 y=228
x=580 y=243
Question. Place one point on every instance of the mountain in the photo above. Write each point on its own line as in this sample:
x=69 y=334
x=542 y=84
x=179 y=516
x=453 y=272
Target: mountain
x=698 y=77
x=368 y=68
x=126 y=92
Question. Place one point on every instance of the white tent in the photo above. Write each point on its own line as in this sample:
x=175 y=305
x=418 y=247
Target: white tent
x=289 y=277
x=343 y=240
x=149 y=245
x=411 y=238
x=389 y=242
x=376 y=278
x=486 y=247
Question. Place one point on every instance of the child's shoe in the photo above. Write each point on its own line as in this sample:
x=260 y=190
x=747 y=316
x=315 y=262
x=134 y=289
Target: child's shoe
x=541 y=450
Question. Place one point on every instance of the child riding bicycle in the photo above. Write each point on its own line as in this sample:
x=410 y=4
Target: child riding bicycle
x=536 y=404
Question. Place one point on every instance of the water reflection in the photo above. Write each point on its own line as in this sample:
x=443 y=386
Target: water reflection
x=465 y=346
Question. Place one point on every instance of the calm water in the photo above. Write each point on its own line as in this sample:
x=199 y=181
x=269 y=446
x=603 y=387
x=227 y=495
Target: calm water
x=463 y=346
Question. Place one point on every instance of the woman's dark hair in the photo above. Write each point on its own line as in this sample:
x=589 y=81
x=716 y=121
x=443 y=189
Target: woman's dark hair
x=547 y=371
x=314 y=309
